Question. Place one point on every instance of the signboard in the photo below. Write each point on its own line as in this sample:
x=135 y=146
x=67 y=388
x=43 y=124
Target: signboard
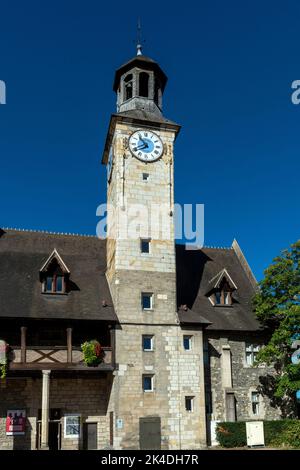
x=15 y=422
x=2 y=352
x=119 y=423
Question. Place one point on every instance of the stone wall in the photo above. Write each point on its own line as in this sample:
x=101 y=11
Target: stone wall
x=87 y=397
x=177 y=374
x=245 y=379
x=153 y=198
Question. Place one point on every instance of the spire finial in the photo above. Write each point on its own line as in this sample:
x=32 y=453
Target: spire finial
x=139 y=38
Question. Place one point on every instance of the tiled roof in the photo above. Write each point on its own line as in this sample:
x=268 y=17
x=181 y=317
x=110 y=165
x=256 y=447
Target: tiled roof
x=195 y=269
x=22 y=253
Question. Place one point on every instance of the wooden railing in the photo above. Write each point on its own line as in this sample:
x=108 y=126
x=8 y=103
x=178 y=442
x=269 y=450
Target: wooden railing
x=55 y=357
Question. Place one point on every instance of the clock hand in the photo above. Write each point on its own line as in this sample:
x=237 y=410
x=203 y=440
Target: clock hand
x=141 y=147
x=141 y=138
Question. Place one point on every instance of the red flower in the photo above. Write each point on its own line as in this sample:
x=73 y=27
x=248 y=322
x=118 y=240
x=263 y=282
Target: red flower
x=98 y=350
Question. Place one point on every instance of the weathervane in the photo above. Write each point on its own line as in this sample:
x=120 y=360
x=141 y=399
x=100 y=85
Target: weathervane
x=139 y=41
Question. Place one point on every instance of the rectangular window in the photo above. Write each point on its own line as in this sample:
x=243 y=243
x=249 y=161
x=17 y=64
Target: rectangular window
x=72 y=426
x=187 y=342
x=147 y=301
x=148 y=383
x=145 y=246
x=227 y=298
x=255 y=402
x=251 y=353
x=145 y=176
x=49 y=282
x=147 y=343
x=218 y=298
x=59 y=284
x=189 y=404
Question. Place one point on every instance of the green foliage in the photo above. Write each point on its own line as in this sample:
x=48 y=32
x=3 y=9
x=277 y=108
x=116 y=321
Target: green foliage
x=277 y=306
x=281 y=433
x=3 y=370
x=92 y=352
x=231 y=434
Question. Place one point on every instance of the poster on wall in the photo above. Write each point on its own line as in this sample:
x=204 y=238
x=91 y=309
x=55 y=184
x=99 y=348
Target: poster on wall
x=15 y=422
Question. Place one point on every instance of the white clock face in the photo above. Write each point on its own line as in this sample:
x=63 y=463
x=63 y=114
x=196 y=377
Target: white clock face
x=146 y=146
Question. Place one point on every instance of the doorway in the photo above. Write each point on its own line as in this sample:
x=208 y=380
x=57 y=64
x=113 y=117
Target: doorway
x=150 y=433
x=54 y=436
x=90 y=436
x=230 y=403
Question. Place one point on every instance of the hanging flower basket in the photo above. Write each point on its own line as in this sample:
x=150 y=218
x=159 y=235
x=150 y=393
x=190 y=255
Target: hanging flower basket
x=92 y=353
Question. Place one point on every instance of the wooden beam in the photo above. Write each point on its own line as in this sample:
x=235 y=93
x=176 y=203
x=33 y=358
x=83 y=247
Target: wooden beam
x=23 y=344
x=69 y=345
x=17 y=366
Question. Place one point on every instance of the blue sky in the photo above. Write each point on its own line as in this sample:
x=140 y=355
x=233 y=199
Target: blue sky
x=230 y=67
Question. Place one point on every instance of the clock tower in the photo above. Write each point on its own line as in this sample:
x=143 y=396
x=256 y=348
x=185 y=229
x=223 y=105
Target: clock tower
x=147 y=395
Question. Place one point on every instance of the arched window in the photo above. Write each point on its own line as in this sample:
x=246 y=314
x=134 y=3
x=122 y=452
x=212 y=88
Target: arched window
x=144 y=84
x=128 y=87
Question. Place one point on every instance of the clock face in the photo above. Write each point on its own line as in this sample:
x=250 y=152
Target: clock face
x=146 y=146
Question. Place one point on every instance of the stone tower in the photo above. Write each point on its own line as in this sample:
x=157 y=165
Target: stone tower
x=147 y=397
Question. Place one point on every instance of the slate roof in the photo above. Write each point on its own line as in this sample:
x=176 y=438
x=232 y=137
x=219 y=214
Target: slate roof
x=22 y=254
x=195 y=269
x=142 y=115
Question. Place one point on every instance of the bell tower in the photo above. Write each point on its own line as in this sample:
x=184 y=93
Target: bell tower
x=141 y=264
x=139 y=158
x=139 y=84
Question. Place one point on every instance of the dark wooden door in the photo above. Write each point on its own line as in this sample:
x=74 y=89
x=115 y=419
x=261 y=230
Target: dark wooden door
x=150 y=433
x=90 y=436
x=230 y=407
x=54 y=435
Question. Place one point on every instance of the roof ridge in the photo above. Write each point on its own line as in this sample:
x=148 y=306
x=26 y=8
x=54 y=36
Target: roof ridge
x=49 y=232
x=219 y=247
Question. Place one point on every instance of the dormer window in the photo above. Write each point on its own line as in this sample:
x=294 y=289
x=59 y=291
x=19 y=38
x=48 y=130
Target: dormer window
x=223 y=297
x=54 y=275
x=128 y=86
x=55 y=284
x=222 y=287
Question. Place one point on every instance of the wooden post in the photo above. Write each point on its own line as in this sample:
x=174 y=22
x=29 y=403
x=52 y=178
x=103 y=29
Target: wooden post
x=23 y=343
x=69 y=345
x=113 y=346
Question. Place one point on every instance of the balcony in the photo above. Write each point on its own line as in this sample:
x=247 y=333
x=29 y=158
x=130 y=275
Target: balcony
x=37 y=358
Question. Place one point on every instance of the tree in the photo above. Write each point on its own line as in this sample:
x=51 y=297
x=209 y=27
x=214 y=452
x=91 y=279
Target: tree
x=277 y=306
